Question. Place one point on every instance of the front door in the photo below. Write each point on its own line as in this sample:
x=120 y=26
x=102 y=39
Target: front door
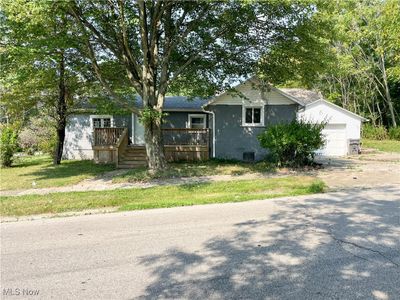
x=137 y=131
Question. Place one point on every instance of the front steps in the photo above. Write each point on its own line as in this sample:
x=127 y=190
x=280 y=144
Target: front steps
x=133 y=157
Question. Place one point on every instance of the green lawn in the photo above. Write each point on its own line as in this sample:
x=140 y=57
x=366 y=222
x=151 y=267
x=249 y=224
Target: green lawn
x=38 y=172
x=162 y=196
x=185 y=169
x=384 y=145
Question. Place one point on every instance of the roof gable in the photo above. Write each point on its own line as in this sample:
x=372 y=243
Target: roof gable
x=336 y=107
x=248 y=93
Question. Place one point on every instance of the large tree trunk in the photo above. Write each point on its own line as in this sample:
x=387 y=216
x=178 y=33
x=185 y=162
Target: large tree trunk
x=61 y=112
x=152 y=121
x=154 y=146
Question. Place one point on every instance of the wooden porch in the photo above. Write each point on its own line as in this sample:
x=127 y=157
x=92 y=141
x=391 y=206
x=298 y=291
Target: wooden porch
x=112 y=145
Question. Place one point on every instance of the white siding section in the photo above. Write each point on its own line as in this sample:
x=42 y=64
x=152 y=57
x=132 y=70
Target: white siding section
x=254 y=95
x=78 y=138
x=342 y=126
x=322 y=111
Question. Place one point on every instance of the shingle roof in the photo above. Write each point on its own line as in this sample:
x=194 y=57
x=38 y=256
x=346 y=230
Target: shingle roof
x=171 y=103
x=180 y=102
x=303 y=95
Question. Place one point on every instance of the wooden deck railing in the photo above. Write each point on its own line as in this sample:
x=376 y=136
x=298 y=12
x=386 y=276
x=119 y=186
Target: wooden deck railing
x=121 y=145
x=171 y=136
x=109 y=144
x=186 y=136
x=107 y=136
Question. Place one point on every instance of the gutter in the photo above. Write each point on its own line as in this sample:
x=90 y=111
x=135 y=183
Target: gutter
x=213 y=129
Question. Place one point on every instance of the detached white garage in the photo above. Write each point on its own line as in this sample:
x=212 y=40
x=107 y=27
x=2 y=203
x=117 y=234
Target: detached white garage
x=343 y=127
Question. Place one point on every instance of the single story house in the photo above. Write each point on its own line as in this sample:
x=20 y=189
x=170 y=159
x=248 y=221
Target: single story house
x=226 y=126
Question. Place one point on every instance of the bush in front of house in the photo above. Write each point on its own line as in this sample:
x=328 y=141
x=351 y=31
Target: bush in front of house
x=372 y=132
x=394 y=133
x=293 y=144
x=8 y=145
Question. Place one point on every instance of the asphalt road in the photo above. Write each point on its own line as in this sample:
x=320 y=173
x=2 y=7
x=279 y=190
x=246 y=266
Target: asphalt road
x=334 y=246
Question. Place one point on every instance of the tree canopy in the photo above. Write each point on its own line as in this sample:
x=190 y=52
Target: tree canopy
x=198 y=47
x=364 y=76
x=57 y=52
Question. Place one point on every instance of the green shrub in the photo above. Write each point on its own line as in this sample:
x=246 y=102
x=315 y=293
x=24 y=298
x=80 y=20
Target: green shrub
x=374 y=132
x=8 y=145
x=293 y=144
x=394 y=133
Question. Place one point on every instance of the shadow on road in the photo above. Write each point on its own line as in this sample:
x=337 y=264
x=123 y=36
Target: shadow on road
x=315 y=249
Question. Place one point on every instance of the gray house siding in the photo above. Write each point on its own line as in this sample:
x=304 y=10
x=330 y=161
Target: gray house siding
x=232 y=139
x=179 y=119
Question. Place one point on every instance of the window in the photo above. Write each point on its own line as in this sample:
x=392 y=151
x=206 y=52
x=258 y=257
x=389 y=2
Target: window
x=253 y=116
x=248 y=156
x=197 y=121
x=101 y=121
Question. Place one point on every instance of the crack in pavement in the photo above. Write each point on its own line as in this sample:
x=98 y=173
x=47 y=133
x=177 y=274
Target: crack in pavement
x=309 y=223
x=341 y=241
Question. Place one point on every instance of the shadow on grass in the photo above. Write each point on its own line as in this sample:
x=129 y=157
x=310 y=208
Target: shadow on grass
x=67 y=168
x=27 y=161
x=324 y=248
x=198 y=169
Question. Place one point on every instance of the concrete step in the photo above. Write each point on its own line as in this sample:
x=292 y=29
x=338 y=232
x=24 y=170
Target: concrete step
x=132 y=163
x=135 y=152
x=130 y=166
x=127 y=153
x=132 y=158
x=135 y=159
x=138 y=148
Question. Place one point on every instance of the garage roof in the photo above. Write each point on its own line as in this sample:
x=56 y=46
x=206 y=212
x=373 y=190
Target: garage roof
x=303 y=95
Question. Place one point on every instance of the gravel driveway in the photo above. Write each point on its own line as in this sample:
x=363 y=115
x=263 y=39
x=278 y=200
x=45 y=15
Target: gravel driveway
x=366 y=170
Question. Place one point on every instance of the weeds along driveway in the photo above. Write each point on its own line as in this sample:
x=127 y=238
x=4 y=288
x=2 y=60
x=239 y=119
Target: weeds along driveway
x=342 y=245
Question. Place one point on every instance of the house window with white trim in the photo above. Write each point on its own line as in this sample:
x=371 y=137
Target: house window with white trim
x=253 y=116
x=101 y=121
x=197 y=121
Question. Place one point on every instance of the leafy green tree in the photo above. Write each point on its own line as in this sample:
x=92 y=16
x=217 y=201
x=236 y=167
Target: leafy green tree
x=197 y=46
x=43 y=70
x=364 y=77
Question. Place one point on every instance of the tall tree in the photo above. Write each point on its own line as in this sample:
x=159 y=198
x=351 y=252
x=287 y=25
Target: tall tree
x=200 y=46
x=366 y=73
x=42 y=68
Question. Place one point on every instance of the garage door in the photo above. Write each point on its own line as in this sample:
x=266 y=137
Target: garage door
x=336 y=141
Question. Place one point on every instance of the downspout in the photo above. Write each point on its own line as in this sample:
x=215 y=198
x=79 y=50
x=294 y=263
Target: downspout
x=213 y=129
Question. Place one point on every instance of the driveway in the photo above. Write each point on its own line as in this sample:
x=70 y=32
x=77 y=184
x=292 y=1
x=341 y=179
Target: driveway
x=343 y=245
x=373 y=168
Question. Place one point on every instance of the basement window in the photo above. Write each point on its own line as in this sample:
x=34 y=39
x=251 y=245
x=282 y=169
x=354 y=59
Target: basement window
x=248 y=156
